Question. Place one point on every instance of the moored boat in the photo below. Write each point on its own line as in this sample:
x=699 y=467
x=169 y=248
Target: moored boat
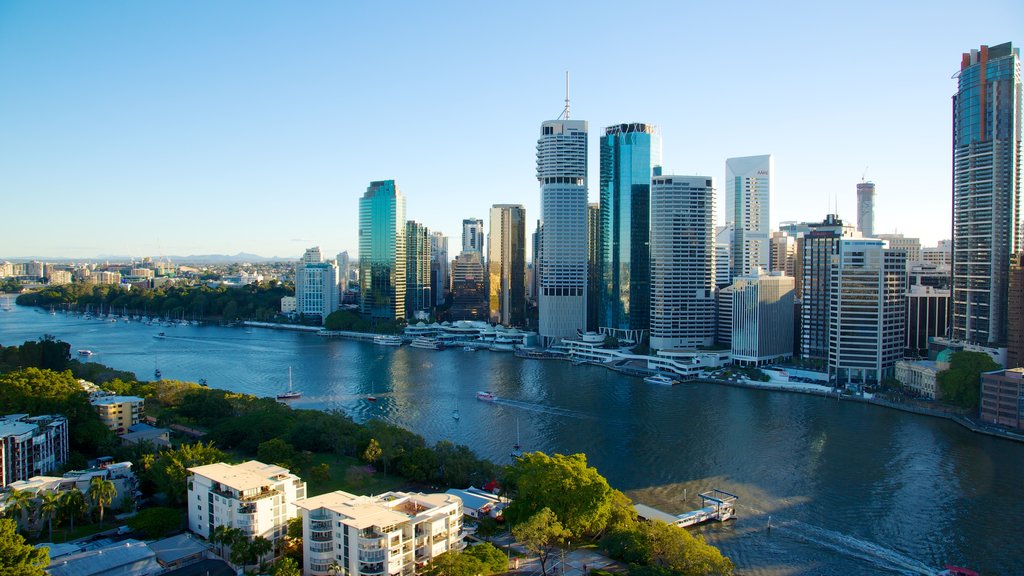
x=387 y=340
x=660 y=379
x=290 y=394
x=486 y=396
x=427 y=344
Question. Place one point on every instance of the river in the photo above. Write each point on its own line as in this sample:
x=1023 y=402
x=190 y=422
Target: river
x=850 y=488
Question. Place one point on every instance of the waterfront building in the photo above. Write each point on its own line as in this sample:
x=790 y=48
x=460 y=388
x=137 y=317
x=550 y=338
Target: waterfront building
x=473 y=235
x=1015 y=313
x=815 y=249
x=118 y=413
x=986 y=191
x=927 y=317
x=762 y=319
x=344 y=269
x=912 y=246
x=288 y=305
x=782 y=253
x=105 y=277
x=1002 y=397
x=562 y=229
x=749 y=182
x=868 y=284
x=682 y=259
x=255 y=497
x=418 y=297
x=938 y=255
x=919 y=376
x=506 y=265
x=316 y=285
x=382 y=251
x=440 y=277
x=723 y=316
x=866 y=209
x=31 y=446
x=684 y=364
x=629 y=155
x=469 y=288
x=388 y=534
x=593 y=264
x=60 y=277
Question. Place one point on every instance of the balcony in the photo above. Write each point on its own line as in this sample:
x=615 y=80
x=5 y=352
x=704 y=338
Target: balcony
x=320 y=524
x=321 y=536
x=372 y=557
x=377 y=568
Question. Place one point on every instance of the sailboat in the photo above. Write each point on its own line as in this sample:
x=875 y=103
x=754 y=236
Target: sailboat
x=371 y=397
x=517 y=449
x=455 y=412
x=290 y=394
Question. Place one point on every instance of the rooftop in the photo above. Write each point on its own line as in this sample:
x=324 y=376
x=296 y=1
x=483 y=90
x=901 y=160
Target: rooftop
x=245 y=476
x=386 y=509
x=108 y=400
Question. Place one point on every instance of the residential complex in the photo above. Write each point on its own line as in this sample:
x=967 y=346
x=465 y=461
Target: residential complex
x=506 y=265
x=31 y=446
x=385 y=535
x=316 y=285
x=748 y=188
x=382 y=251
x=119 y=413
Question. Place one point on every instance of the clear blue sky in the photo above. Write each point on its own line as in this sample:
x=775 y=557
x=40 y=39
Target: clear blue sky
x=149 y=128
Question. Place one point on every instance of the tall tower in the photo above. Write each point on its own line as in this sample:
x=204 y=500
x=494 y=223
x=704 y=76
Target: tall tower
x=749 y=181
x=506 y=265
x=816 y=249
x=562 y=282
x=866 y=209
x=682 y=262
x=382 y=251
x=986 y=191
x=418 y=294
x=316 y=285
x=440 y=278
x=473 y=235
x=593 y=264
x=629 y=155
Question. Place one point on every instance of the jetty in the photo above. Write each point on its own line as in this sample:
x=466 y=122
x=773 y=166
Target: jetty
x=715 y=505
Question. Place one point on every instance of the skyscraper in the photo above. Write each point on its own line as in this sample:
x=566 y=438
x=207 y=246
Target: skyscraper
x=562 y=282
x=418 y=295
x=506 y=265
x=440 y=279
x=593 y=264
x=682 y=262
x=473 y=235
x=782 y=256
x=316 y=285
x=749 y=181
x=1015 y=314
x=344 y=269
x=866 y=209
x=382 y=251
x=986 y=191
x=629 y=155
x=469 y=287
x=814 y=284
x=762 y=319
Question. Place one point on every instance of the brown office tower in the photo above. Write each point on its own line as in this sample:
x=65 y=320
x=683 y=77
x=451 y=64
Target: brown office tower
x=1002 y=397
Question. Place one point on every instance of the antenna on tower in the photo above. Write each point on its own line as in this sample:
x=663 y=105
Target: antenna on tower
x=864 y=174
x=565 y=112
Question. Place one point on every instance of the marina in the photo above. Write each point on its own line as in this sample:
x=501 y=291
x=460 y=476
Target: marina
x=716 y=505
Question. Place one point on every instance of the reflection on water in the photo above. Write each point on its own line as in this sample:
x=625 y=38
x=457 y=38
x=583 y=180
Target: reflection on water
x=850 y=489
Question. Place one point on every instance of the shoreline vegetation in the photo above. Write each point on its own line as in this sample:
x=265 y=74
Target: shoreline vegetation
x=556 y=500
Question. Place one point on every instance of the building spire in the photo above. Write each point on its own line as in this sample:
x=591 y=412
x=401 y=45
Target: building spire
x=566 y=112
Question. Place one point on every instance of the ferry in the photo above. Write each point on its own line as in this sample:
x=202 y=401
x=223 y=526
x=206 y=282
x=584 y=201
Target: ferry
x=660 y=379
x=427 y=344
x=85 y=353
x=387 y=340
x=486 y=396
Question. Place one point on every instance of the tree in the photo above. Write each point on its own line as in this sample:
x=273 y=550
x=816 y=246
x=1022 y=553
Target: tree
x=169 y=472
x=19 y=504
x=961 y=384
x=577 y=494
x=258 y=548
x=157 y=522
x=49 y=504
x=494 y=561
x=677 y=550
x=18 y=558
x=334 y=568
x=279 y=452
x=540 y=534
x=320 y=473
x=287 y=567
x=72 y=505
x=101 y=493
x=452 y=563
x=373 y=451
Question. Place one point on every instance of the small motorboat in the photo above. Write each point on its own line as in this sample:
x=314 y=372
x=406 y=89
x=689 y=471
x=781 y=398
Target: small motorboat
x=486 y=396
x=85 y=353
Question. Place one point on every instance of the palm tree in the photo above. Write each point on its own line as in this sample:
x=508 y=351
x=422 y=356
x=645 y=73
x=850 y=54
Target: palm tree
x=49 y=504
x=72 y=504
x=334 y=568
x=101 y=493
x=221 y=535
x=259 y=547
x=19 y=504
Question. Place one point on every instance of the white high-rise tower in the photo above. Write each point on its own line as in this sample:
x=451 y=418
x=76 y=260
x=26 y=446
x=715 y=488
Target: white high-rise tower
x=748 y=185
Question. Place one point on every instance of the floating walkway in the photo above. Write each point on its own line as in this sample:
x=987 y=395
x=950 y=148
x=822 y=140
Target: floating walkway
x=715 y=505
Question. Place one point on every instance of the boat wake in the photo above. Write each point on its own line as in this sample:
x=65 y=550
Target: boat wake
x=851 y=546
x=534 y=407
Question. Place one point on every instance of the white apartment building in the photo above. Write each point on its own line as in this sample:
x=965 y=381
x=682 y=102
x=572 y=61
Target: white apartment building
x=258 y=498
x=119 y=413
x=762 y=319
x=682 y=262
x=58 y=277
x=31 y=446
x=386 y=535
x=316 y=285
x=748 y=186
x=563 y=266
x=288 y=304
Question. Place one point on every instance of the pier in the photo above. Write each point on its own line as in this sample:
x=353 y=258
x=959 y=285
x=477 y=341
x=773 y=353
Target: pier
x=715 y=505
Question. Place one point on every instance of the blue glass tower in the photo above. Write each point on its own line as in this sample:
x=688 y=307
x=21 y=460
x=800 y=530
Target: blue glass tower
x=629 y=155
x=382 y=251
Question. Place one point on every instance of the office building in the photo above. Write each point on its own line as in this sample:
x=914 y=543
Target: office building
x=316 y=286
x=473 y=236
x=682 y=253
x=629 y=155
x=593 y=264
x=344 y=270
x=815 y=249
x=912 y=246
x=506 y=265
x=723 y=269
x=1015 y=313
x=254 y=497
x=927 y=317
x=723 y=316
x=469 y=288
x=119 y=413
x=31 y=446
x=440 y=277
x=418 y=296
x=391 y=534
x=940 y=255
x=1002 y=398
x=762 y=319
x=867 y=311
x=986 y=191
x=923 y=274
x=562 y=269
x=382 y=251
x=749 y=182
x=782 y=253
x=866 y=209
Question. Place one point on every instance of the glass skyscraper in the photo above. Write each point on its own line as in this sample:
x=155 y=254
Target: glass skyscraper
x=986 y=191
x=506 y=265
x=418 y=293
x=629 y=155
x=382 y=253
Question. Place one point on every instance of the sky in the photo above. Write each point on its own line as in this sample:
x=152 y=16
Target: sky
x=193 y=127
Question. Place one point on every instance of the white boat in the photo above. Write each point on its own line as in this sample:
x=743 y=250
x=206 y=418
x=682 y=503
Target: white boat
x=486 y=396
x=469 y=349
x=85 y=353
x=660 y=379
x=427 y=344
x=290 y=394
x=517 y=448
x=387 y=340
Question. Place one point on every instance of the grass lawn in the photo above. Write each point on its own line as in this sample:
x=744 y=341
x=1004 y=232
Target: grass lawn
x=348 y=474
x=64 y=534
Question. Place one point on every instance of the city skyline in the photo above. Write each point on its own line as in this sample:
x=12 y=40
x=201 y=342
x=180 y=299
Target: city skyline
x=141 y=124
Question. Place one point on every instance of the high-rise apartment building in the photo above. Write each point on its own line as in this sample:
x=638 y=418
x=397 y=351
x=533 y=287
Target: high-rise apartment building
x=1015 y=313
x=682 y=253
x=418 y=294
x=382 y=251
x=629 y=155
x=762 y=319
x=593 y=264
x=473 y=235
x=867 y=310
x=440 y=265
x=815 y=250
x=562 y=270
x=316 y=285
x=31 y=446
x=866 y=209
x=344 y=269
x=749 y=181
x=986 y=191
x=506 y=265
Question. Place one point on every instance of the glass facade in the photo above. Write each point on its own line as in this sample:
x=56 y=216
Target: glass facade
x=382 y=252
x=418 y=292
x=506 y=265
x=629 y=154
